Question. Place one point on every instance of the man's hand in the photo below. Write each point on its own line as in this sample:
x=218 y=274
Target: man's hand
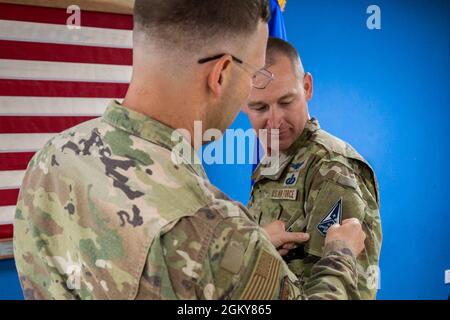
x=349 y=232
x=283 y=240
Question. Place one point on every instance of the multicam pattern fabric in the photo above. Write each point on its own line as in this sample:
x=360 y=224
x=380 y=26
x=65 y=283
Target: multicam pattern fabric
x=105 y=213
x=321 y=181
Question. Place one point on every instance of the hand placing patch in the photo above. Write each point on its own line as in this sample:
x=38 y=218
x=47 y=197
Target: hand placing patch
x=333 y=217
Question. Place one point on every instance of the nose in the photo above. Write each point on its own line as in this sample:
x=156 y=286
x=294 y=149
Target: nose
x=275 y=118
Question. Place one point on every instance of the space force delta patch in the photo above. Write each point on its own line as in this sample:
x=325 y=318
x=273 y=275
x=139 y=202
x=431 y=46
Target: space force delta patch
x=333 y=217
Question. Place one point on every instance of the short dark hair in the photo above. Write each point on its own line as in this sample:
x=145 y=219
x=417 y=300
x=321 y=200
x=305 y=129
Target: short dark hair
x=198 y=21
x=276 y=46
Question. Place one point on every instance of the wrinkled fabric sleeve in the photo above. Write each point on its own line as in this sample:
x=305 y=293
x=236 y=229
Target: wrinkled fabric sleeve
x=335 y=184
x=206 y=256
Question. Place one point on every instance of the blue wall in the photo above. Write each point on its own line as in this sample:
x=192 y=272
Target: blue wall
x=9 y=282
x=387 y=93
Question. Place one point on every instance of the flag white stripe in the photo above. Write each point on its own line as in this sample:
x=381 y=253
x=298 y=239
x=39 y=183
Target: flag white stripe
x=7 y=214
x=23 y=142
x=11 y=179
x=54 y=33
x=63 y=71
x=44 y=106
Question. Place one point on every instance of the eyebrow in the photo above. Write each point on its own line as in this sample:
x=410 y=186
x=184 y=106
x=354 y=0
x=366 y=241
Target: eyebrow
x=256 y=103
x=287 y=96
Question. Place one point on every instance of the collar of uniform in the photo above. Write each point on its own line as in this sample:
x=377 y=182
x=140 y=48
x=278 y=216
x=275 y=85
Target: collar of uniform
x=151 y=130
x=286 y=157
x=311 y=126
x=266 y=162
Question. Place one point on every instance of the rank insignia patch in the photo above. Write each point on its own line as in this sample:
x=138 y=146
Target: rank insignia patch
x=333 y=217
x=296 y=166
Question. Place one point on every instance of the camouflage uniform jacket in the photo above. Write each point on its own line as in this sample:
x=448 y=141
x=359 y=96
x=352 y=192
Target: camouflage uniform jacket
x=104 y=212
x=321 y=180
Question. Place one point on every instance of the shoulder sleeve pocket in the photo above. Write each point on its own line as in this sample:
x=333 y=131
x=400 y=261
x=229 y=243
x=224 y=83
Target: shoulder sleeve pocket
x=330 y=204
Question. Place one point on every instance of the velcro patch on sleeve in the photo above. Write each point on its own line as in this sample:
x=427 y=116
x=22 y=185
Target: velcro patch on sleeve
x=264 y=278
x=233 y=257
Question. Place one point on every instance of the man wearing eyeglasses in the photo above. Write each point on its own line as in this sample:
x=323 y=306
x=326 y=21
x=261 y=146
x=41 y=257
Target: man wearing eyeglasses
x=110 y=210
x=321 y=179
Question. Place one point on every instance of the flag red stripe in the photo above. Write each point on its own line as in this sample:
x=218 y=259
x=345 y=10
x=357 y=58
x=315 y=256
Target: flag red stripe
x=39 y=124
x=64 y=53
x=6 y=231
x=37 y=88
x=60 y=16
x=36 y=51
x=8 y=197
x=15 y=160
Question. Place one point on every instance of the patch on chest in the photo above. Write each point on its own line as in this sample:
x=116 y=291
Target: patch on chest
x=293 y=173
x=296 y=166
x=291 y=179
x=284 y=194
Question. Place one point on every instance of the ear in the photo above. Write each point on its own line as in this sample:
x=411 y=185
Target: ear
x=308 y=86
x=219 y=75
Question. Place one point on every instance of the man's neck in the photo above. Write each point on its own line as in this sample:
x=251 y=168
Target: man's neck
x=173 y=110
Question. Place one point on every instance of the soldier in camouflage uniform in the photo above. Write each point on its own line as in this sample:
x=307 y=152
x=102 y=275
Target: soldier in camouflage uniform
x=117 y=208
x=320 y=180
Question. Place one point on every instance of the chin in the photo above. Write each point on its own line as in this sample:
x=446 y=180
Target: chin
x=285 y=143
x=283 y=146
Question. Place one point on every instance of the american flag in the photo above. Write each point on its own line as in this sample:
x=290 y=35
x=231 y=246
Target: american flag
x=52 y=78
